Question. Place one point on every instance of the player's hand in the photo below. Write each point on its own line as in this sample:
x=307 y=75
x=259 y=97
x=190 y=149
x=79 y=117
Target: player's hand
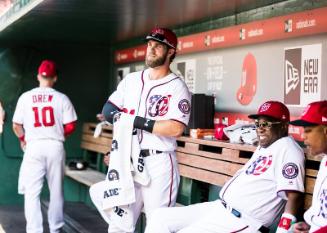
x=23 y=145
x=106 y=159
x=301 y=227
x=100 y=117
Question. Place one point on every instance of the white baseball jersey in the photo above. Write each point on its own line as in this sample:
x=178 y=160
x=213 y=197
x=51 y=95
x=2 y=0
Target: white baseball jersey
x=43 y=112
x=256 y=192
x=258 y=188
x=316 y=215
x=163 y=99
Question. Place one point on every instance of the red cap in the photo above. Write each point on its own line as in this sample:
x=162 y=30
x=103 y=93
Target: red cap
x=163 y=35
x=274 y=109
x=47 y=68
x=314 y=114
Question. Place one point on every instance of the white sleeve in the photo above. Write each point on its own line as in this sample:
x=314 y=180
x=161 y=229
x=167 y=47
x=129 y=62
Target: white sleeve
x=180 y=104
x=289 y=173
x=69 y=114
x=19 y=111
x=117 y=97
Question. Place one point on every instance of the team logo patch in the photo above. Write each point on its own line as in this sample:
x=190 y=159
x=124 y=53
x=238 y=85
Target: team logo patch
x=323 y=204
x=114 y=145
x=259 y=166
x=290 y=170
x=113 y=175
x=185 y=106
x=158 y=105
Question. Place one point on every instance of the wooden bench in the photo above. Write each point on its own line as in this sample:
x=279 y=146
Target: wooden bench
x=98 y=146
x=212 y=162
x=215 y=162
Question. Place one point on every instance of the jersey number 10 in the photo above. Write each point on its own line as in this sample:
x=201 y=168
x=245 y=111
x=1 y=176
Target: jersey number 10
x=46 y=115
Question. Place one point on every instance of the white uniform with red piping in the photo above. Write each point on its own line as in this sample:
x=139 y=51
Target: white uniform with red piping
x=164 y=99
x=43 y=112
x=252 y=198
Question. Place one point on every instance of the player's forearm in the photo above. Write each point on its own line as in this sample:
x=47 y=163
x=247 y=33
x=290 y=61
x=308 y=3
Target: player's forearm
x=167 y=128
x=292 y=205
x=18 y=130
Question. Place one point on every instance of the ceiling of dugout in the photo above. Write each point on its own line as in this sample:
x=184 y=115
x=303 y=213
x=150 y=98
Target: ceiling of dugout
x=106 y=22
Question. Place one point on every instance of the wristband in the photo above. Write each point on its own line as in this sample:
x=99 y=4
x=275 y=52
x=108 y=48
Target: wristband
x=22 y=138
x=285 y=222
x=144 y=123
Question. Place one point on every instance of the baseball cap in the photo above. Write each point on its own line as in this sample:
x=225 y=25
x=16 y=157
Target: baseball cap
x=274 y=109
x=47 y=68
x=248 y=80
x=314 y=114
x=163 y=35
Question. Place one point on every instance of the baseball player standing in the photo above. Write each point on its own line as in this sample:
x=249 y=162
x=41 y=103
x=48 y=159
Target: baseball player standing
x=257 y=194
x=42 y=119
x=314 y=121
x=161 y=103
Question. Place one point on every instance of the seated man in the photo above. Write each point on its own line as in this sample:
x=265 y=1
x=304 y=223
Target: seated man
x=314 y=121
x=270 y=182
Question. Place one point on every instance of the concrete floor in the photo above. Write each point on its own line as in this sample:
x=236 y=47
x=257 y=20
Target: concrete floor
x=78 y=218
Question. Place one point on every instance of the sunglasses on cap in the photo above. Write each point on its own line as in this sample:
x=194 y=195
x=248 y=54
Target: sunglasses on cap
x=265 y=124
x=159 y=37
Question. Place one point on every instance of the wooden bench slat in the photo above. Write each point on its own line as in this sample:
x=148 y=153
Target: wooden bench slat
x=214 y=165
x=309 y=184
x=95 y=148
x=202 y=175
x=100 y=140
x=87 y=177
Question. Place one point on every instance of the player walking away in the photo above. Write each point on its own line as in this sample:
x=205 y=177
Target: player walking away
x=314 y=121
x=161 y=103
x=257 y=194
x=42 y=119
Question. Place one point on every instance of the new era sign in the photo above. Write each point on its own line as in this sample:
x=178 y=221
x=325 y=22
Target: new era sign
x=302 y=75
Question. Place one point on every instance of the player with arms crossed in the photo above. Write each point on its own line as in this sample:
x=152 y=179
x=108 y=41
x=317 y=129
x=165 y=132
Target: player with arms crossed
x=42 y=119
x=314 y=121
x=257 y=194
x=160 y=100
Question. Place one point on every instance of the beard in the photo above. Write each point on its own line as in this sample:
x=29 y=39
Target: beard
x=157 y=61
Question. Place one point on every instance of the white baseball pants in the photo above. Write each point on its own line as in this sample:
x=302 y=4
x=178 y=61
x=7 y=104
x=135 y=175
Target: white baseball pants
x=42 y=158
x=161 y=192
x=208 y=217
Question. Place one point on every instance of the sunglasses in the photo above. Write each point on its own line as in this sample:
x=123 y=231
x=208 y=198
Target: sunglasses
x=265 y=124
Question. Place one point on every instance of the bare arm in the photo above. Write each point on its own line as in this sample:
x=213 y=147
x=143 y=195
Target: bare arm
x=18 y=130
x=20 y=133
x=292 y=205
x=168 y=128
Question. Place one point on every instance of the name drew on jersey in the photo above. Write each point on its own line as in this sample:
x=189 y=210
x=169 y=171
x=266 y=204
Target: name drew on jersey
x=159 y=105
x=259 y=166
x=44 y=98
x=323 y=204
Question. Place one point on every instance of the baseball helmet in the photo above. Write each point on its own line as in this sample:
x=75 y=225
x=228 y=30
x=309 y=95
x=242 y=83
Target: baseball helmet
x=163 y=35
x=249 y=80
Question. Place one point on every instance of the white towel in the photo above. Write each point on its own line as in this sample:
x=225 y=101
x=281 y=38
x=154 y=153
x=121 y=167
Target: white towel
x=242 y=133
x=118 y=188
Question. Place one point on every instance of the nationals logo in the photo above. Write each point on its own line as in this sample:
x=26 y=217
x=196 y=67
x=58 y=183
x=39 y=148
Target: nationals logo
x=158 y=105
x=185 y=106
x=290 y=170
x=259 y=166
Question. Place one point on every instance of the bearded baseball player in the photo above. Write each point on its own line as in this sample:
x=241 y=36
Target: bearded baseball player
x=42 y=119
x=160 y=100
x=314 y=121
x=268 y=185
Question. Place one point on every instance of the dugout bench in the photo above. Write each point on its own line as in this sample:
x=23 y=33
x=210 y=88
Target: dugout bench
x=205 y=165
